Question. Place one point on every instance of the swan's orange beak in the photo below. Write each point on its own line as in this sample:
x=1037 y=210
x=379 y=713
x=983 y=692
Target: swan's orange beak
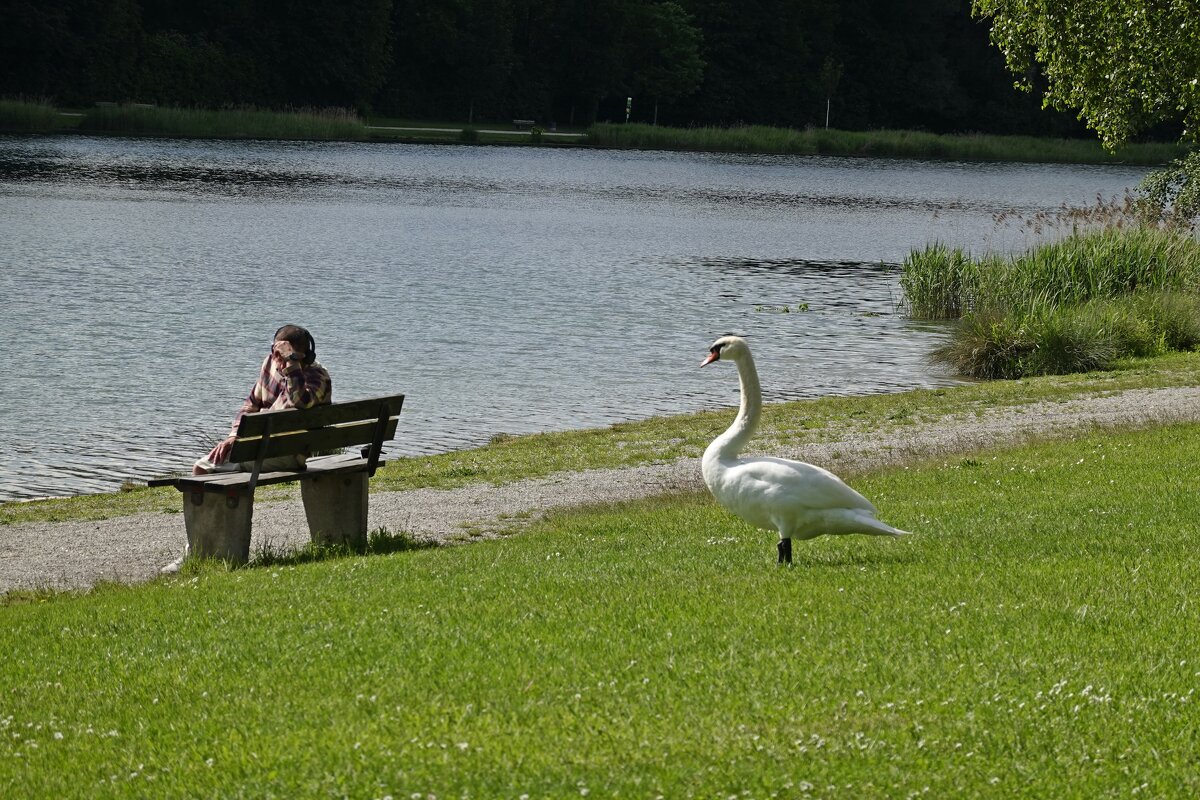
x=711 y=358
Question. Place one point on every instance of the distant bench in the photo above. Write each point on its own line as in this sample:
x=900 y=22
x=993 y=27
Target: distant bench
x=524 y=123
x=218 y=507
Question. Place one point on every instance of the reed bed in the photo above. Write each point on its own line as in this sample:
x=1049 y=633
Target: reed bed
x=28 y=116
x=1074 y=305
x=881 y=143
x=941 y=282
x=239 y=123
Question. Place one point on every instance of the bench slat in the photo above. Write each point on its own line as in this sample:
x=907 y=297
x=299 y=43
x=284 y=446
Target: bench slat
x=293 y=419
x=224 y=481
x=311 y=441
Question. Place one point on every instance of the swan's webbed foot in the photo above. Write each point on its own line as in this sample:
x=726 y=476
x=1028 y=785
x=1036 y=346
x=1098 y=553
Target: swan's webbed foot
x=785 y=551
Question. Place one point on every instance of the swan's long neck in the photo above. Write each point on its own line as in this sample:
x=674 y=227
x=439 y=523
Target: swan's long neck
x=731 y=442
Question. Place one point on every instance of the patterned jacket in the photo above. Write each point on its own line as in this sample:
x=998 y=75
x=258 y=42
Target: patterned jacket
x=294 y=387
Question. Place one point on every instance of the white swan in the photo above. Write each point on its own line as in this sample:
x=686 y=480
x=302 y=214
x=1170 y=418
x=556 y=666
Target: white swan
x=798 y=500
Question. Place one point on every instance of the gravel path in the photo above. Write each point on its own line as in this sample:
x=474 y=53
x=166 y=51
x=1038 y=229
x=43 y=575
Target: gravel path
x=76 y=555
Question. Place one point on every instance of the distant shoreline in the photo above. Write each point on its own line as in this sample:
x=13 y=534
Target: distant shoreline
x=18 y=117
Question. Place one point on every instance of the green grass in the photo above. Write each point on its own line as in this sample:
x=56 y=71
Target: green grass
x=880 y=143
x=663 y=439
x=1031 y=639
x=304 y=124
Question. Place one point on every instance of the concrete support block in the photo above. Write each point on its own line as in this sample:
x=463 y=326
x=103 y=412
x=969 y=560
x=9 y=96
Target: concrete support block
x=218 y=526
x=336 y=507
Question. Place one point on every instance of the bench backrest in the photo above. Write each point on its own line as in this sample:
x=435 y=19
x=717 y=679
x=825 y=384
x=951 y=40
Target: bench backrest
x=290 y=431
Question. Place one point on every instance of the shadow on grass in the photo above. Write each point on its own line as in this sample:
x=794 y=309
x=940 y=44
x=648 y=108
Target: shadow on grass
x=379 y=542
x=874 y=557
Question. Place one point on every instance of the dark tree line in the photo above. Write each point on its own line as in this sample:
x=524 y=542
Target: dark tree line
x=921 y=64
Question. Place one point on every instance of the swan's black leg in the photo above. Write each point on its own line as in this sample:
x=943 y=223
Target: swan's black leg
x=785 y=551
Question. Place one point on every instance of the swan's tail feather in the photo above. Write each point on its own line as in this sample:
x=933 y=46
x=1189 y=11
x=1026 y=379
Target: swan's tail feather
x=874 y=527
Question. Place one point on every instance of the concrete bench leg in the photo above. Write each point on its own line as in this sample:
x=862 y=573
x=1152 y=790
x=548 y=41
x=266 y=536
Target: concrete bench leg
x=218 y=526
x=336 y=507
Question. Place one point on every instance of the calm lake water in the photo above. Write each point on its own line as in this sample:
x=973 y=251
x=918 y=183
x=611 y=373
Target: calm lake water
x=504 y=290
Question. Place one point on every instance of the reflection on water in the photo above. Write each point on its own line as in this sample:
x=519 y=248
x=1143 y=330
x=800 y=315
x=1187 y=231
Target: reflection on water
x=503 y=289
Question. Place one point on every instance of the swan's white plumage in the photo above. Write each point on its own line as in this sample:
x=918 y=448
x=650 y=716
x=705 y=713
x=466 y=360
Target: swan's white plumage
x=796 y=499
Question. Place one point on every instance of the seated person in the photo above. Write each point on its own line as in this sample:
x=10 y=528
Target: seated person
x=290 y=377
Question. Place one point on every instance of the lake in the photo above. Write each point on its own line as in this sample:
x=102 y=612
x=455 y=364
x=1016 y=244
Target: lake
x=503 y=289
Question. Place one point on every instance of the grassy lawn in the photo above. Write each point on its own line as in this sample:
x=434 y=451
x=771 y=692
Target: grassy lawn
x=662 y=439
x=1034 y=638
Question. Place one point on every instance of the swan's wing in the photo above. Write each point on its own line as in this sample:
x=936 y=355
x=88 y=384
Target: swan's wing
x=779 y=481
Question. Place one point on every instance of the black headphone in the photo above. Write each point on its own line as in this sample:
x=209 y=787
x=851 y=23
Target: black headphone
x=312 y=345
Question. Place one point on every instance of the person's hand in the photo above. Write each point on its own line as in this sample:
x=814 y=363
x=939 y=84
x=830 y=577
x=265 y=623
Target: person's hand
x=220 y=453
x=284 y=354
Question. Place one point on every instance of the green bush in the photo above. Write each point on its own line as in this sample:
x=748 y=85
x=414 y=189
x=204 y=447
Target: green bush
x=987 y=345
x=1072 y=338
x=1067 y=341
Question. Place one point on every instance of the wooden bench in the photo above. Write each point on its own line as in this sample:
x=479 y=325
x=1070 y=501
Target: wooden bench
x=218 y=507
x=524 y=123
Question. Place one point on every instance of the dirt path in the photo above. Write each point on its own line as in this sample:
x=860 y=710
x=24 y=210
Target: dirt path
x=130 y=549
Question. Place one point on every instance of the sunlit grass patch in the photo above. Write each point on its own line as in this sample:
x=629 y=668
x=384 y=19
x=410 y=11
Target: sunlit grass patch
x=1027 y=640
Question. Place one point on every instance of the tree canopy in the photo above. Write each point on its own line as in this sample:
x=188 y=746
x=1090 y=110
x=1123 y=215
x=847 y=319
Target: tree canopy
x=918 y=64
x=1123 y=64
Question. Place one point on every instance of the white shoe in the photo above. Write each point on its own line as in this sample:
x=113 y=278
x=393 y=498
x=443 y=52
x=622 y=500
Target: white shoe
x=173 y=567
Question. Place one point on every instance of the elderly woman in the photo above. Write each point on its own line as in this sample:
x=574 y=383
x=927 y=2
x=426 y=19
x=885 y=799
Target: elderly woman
x=290 y=377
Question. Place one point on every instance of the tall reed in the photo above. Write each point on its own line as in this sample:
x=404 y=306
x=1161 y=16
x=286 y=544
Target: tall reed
x=945 y=283
x=240 y=123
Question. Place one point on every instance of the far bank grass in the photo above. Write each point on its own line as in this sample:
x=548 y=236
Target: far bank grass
x=22 y=116
x=880 y=143
x=1031 y=639
x=305 y=124
x=339 y=124
x=664 y=439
